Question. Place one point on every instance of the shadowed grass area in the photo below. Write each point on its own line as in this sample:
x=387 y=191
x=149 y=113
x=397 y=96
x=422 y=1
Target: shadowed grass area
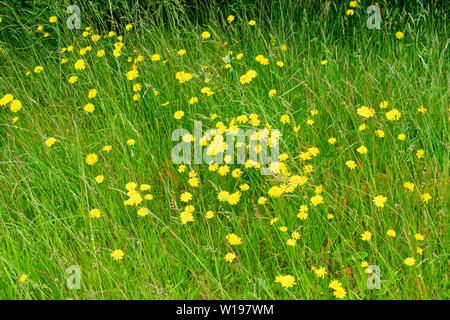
x=324 y=65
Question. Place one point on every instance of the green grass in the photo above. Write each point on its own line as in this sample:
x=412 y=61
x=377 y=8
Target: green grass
x=46 y=193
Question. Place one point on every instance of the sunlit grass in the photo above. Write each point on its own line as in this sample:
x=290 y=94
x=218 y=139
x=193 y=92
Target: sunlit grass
x=46 y=193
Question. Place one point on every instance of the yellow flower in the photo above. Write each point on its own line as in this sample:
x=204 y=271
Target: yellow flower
x=50 y=141
x=142 y=212
x=15 y=106
x=426 y=197
x=365 y=112
x=92 y=93
x=186 y=197
x=205 y=35
x=23 y=278
x=117 y=255
x=379 y=133
x=95 y=37
x=421 y=109
x=137 y=87
x=420 y=153
x=280 y=64
x=391 y=233
x=209 y=214
x=272 y=92
x=73 y=79
x=332 y=140
x=409 y=261
x=99 y=178
x=194 y=182
x=248 y=77
x=350 y=12
x=80 y=64
x=275 y=192
x=131 y=142
x=335 y=284
x=286 y=281
x=131 y=186
x=252 y=22
x=233 y=239
x=107 y=148
x=100 y=53
x=399 y=35
x=362 y=150
x=186 y=216
x=38 y=69
x=379 y=201
x=53 y=19
x=6 y=99
x=419 y=237
x=409 y=186
x=229 y=257
x=340 y=293
x=230 y=18
x=181 y=52
x=244 y=187
x=384 y=104
x=316 y=200
x=128 y=27
x=148 y=196
x=178 y=115
x=291 y=242
x=393 y=115
x=320 y=272
x=155 y=57
x=89 y=107
x=351 y=164
x=132 y=74
x=95 y=213
x=401 y=136
x=91 y=159
x=323 y=62
x=366 y=236
x=353 y=4
x=183 y=77
x=284 y=118
x=234 y=198
x=193 y=100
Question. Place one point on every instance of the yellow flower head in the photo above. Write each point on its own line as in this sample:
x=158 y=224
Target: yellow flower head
x=117 y=255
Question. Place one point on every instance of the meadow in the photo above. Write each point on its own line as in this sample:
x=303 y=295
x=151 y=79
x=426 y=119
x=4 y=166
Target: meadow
x=92 y=205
